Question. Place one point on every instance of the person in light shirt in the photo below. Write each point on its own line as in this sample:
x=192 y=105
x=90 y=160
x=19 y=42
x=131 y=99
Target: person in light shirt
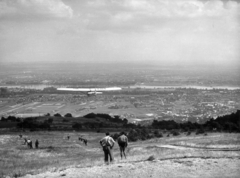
x=107 y=144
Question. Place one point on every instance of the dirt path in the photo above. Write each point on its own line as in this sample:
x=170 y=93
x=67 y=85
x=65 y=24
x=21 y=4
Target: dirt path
x=181 y=168
x=182 y=147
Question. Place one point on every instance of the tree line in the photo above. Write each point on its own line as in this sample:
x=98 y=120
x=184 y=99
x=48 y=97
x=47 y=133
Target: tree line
x=95 y=122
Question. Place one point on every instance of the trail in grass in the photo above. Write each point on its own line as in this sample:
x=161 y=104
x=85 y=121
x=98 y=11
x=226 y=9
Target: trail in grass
x=182 y=147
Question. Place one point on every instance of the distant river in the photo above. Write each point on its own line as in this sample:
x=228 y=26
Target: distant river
x=41 y=87
x=188 y=87
x=36 y=87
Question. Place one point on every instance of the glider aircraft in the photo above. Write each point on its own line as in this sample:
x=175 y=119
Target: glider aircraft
x=91 y=91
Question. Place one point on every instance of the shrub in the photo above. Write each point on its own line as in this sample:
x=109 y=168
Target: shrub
x=157 y=134
x=65 y=120
x=77 y=126
x=115 y=136
x=18 y=174
x=68 y=115
x=188 y=133
x=90 y=115
x=50 y=120
x=57 y=115
x=144 y=134
x=175 y=133
x=200 y=131
x=133 y=135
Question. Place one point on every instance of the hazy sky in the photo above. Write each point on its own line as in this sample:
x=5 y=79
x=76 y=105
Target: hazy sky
x=154 y=31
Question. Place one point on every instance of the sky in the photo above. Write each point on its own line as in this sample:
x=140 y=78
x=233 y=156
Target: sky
x=174 y=32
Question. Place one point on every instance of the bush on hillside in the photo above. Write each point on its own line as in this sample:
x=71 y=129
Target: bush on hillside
x=175 y=133
x=144 y=134
x=65 y=120
x=157 y=134
x=231 y=127
x=90 y=115
x=50 y=120
x=57 y=115
x=68 y=115
x=200 y=131
x=77 y=126
x=133 y=135
x=140 y=134
x=115 y=136
x=188 y=133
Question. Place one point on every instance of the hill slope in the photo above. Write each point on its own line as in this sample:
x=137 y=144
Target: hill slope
x=190 y=167
x=212 y=156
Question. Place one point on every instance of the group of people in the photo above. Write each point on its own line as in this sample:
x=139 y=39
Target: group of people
x=80 y=139
x=83 y=140
x=29 y=143
x=107 y=144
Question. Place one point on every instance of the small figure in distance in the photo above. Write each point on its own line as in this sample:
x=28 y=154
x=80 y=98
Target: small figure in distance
x=107 y=144
x=29 y=143
x=36 y=144
x=85 y=141
x=123 y=143
x=68 y=137
x=25 y=141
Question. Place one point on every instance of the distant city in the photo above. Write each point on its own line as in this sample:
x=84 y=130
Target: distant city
x=148 y=92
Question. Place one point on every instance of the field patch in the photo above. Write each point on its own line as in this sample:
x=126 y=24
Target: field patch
x=5 y=138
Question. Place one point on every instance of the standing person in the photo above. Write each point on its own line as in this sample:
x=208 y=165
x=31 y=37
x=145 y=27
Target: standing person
x=25 y=141
x=36 y=144
x=29 y=143
x=123 y=143
x=85 y=141
x=107 y=144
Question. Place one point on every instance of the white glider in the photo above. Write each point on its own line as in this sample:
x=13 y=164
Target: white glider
x=91 y=91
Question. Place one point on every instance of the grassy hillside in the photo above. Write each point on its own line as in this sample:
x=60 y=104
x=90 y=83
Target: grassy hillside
x=57 y=153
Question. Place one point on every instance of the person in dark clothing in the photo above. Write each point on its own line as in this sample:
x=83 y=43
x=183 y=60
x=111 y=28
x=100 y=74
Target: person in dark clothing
x=123 y=143
x=85 y=141
x=36 y=144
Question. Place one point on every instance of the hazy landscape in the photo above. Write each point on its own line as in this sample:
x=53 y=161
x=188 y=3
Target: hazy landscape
x=175 y=69
x=176 y=150
x=148 y=92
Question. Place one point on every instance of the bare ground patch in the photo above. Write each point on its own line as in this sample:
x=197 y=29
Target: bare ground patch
x=188 y=167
